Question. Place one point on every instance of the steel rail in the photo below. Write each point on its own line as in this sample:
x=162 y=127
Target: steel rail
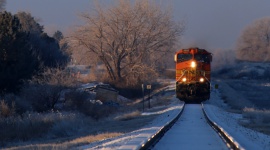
x=229 y=140
x=155 y=138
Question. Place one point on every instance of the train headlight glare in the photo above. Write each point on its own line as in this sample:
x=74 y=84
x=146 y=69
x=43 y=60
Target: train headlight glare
x=193 y=64
x=201 y=79
x=184 y=79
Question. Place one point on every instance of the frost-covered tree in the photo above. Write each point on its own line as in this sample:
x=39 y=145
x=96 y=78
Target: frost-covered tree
x=44 y=47
x=254 y=42
x=58 y=35
x=24 y=50
x=2 y=5
x=130 y=39
x=29 y=23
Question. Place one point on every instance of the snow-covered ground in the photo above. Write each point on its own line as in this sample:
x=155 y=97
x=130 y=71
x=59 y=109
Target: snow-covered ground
x=215 y=108
x=136 y=139
x=247 y=138
x=188 y=132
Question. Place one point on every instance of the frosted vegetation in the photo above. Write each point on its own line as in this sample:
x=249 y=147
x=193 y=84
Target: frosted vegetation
x=40 y=96
x=243 y=75
x=74 y=125
x=244 y=86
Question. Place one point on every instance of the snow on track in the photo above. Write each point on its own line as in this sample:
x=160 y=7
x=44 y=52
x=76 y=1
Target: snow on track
x=134 y=140
x=191 y=131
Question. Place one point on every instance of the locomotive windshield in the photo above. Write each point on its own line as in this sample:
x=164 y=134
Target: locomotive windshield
x=183 y=57
x=203 y=58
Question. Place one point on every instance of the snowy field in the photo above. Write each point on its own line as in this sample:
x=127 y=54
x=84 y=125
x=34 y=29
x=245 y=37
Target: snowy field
x=247 y=138
x=216 y=110
x=255 y=91
x=248 y=81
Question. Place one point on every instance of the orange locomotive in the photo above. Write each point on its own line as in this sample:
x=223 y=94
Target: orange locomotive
x=193 y=67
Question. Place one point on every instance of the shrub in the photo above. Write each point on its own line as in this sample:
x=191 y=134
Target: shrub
x=6 y=110
x=42 y=97
x=80 y=100
x=55 y=76
x=266 y=73
x=21 y=105
x=130 y=92
x=258 y=117
x=233 y=98
x=33 y=126
x=75 y=99
x=43 y=91
x=97 y=111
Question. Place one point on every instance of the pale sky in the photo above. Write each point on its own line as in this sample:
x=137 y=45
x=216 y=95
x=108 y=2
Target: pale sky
x=214 y=24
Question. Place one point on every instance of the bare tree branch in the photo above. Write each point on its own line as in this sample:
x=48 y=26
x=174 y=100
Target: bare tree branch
x=254 y=44
x=2 y=5
x=127 y=35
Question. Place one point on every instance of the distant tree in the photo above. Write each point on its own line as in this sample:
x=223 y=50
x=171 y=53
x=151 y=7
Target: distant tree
x=2 y=5
x=64 y=47
x=130 y=39
x=254 y=42
x=222 y=58
x=58 y=36
x=49 y=51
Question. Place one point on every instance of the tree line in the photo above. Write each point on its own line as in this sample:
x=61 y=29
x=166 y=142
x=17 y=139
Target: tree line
x=25 y=50
x=130 y=40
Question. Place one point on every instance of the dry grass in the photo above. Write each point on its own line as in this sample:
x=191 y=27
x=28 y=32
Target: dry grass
x=70 y=130
x=96 y=131
x=233 y=97
x=237 y=95
x=6 y=110
x=257 y=119
x=128 y=116
x=257 y=116
x=32 y=126
x=68 y=144
x=89 y=131
x=88 y=78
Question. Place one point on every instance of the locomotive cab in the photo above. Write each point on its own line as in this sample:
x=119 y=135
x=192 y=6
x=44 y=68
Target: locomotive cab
x=193 y=74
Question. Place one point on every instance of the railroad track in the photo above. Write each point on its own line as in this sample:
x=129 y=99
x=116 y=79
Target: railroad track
x=191 y=129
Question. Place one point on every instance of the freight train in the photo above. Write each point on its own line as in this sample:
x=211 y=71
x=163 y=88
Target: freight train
x=193 y=72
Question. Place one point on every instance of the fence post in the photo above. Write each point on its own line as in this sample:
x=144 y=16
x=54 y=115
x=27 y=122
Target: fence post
x=143 y=96
x=149 y=90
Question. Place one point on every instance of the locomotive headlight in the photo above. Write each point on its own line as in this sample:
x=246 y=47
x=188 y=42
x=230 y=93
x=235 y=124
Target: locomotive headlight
x=184 y=79
x=201 y=79
x=193 y=64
